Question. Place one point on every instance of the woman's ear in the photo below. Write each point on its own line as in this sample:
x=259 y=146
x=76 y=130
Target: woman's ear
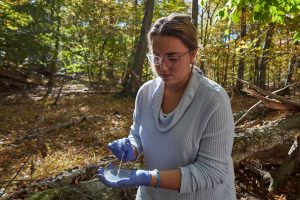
x=193 y=56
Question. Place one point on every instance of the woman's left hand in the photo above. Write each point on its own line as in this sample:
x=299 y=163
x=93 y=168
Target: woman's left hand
x=102 y=178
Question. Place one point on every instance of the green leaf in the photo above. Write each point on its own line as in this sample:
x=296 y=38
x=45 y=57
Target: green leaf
x=202 y=3
x=256 y=8
x=296 y=37
x=273 y=10
x=227 y=32
x=235 y=15
x=221 y=12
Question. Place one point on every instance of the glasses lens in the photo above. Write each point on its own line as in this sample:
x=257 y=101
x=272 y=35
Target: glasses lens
x=153 y=59
x=172 y=61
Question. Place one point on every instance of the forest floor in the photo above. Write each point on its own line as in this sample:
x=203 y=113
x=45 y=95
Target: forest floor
x=86 y=143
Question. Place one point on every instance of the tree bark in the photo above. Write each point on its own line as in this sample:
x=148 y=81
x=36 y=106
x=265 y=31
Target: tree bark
x=282 y=104
x=291 y=66
x=255 y=105
x=264 y=57
x=273 y=96
x=250 y=140
x=140 y=54
x=227 y=46
x=241 y=67
x=75 y=183
x=256 y=57
x=28 y=78
x=56 y=49
x=195 y=12
x=101 y=59
x=288 y=166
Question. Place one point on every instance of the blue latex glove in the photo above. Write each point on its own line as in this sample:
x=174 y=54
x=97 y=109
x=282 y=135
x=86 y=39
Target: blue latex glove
x=100 y=175
x=120 y=146
x=136 y=178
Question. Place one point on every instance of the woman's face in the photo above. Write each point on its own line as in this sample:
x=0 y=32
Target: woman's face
x=175 y=59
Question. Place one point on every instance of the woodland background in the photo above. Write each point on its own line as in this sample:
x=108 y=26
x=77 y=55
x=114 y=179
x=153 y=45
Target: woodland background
x=69 y=71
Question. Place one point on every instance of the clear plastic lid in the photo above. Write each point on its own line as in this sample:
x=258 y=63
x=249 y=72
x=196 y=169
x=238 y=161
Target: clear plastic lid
x=114 y=175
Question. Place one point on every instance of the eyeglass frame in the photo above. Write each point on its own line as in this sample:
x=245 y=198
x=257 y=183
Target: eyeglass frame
x=161 y=58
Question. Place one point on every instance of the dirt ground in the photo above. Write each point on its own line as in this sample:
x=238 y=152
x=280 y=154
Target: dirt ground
x=46 y=155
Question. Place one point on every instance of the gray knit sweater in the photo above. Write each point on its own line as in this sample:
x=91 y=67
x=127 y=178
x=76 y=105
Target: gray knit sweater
x=197 y=138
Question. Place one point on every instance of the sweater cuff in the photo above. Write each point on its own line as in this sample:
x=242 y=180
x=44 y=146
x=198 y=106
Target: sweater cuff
x=185 y=185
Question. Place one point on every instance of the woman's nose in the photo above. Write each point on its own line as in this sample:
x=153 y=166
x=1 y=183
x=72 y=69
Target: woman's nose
x=163 y=66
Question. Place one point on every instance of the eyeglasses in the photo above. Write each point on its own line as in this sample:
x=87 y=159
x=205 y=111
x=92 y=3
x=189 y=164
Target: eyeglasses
x=170 y=60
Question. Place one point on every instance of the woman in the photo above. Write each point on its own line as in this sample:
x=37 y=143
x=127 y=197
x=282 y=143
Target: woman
x=182 y=124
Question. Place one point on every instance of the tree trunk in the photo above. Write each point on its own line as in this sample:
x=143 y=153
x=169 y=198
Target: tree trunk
x=264 y=57
x=101 y=59
x=291 y=66
x=241 y=68
x=195 y=13
x=202 y=57
x=290 y=70
x=140 y=54
x=56 y=50
x=256 y=57
x=233 y=63
x=227 y=60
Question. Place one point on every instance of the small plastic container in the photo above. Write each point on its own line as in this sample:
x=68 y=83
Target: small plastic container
x=113 y=175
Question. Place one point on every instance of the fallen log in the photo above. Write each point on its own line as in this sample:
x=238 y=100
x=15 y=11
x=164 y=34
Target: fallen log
x=18 y=76
x=247 y=143
x=8 y=84
x=75 y=183
x=36 y=132
x=273 y=103
x=270 y=95
x=241 y=119
x=286 y=168
x=13 y=74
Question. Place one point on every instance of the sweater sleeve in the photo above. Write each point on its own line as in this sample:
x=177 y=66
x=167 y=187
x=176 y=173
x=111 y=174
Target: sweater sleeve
x=134 y=135
x=212 y=164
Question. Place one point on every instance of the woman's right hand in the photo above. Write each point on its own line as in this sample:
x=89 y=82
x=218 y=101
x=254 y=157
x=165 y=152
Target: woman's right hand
x=120 y=146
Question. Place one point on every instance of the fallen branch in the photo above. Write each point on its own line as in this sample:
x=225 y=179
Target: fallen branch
x=273 y=103
x=6 y=83
x=259 y=102
x=79 y=179
x=16 y=76
x=19 y=180
x=273 y=96
x=58 y=126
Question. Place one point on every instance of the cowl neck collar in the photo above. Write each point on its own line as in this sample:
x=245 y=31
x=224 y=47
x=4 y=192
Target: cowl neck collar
x=184 y=103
